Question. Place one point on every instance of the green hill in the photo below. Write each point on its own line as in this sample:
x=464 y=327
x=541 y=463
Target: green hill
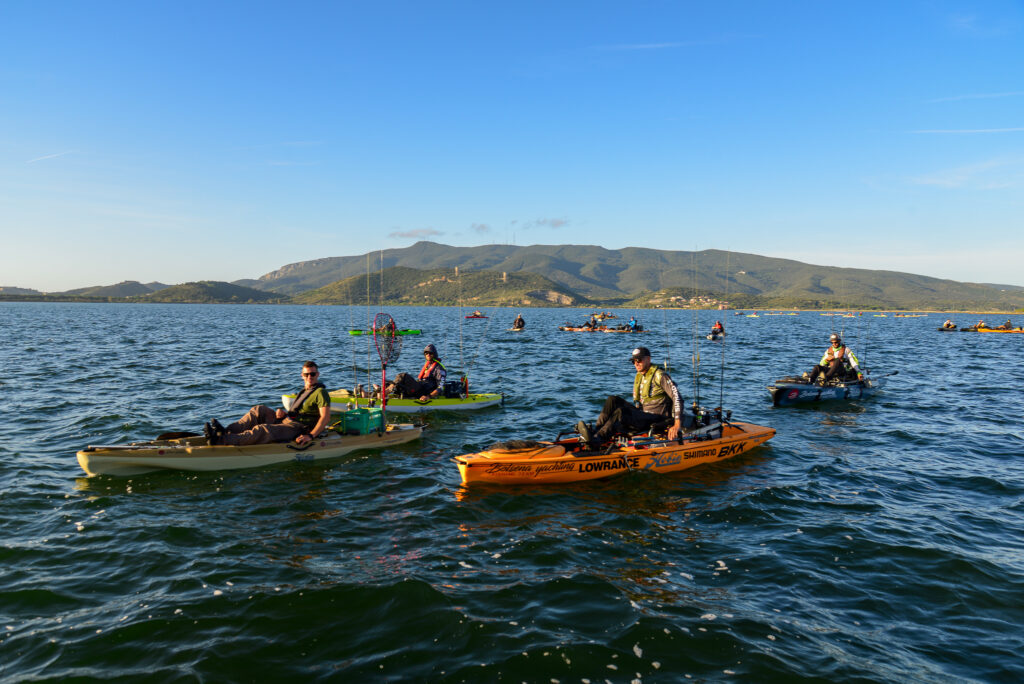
x=211 y=292
x=127 y=288
x=638 y=275
x=442 y=287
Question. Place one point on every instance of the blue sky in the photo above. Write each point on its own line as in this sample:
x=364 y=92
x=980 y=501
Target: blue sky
x=179 y=141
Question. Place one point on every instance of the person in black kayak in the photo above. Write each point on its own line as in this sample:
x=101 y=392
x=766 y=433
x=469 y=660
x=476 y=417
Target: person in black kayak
x=655 y=400
x=837 y=362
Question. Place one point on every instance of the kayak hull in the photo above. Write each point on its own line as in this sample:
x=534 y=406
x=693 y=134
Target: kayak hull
x=193 y=454
x=562 y=462
x=791 y=393
x=342 y=400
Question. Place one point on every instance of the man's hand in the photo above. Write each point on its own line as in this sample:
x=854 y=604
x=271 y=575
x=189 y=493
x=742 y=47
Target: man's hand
x=280 y=413
x=303 y=438
x=673 y=431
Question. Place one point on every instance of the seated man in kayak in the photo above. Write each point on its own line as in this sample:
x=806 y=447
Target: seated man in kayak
x=717 y=328
x=1007 y=325
x=838 y=362
x=428 y=384
x=307 y=418
x=949 y=324
x=633 y=324
x=655 y=400
x=519 y=323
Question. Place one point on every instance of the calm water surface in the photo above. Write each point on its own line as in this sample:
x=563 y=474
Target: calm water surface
x=878 y=541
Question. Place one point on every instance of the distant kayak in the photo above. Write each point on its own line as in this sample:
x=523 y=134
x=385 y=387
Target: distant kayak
x=475 y=316
x=944 y=329
x=404 y=331
x=600 y=329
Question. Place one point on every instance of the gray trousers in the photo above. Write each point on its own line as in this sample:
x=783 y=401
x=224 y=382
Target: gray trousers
x=261 y=426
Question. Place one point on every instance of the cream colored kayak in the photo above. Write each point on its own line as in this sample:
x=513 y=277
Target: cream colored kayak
x=193 y=454
x=343 y=400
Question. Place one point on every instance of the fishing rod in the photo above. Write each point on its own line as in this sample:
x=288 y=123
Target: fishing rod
x=695 y=356
x=721 y=372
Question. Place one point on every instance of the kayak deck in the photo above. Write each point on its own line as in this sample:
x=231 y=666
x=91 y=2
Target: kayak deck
x=193 y=454
x=567 y=460
x=472 y=402
x=343 y=400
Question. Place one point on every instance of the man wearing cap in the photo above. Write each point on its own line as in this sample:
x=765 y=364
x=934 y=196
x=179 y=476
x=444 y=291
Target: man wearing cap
x=837 y=361
x=428 y=384
x=655 y=399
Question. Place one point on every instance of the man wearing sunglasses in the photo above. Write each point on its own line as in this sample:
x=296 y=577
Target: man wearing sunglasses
x=308 y=417
x=655 y=401
x=838 y=362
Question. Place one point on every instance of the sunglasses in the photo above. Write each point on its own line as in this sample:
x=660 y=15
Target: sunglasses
x=310 y=375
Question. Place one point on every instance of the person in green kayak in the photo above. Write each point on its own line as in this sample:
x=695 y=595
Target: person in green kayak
x=428 y=384
x=655 y=401
x=838 y=362
x=308 y=416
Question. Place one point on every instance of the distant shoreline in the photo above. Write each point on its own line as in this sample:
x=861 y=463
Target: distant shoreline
x=114 y=300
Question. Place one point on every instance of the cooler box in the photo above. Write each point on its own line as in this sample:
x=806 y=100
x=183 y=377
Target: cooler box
x=360 y=421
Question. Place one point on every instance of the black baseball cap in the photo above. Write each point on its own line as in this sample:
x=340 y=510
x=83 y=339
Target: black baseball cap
x=639 y=353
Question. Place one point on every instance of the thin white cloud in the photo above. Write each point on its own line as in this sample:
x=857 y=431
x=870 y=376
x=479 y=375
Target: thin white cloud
x=644 y=46
x=983 y=27
x=542 y=223
x=481 y=227
x=969 y=131
x=283 y=143
x=417 y=233
x=48 y=156
x=977 y=96
x=973 y=176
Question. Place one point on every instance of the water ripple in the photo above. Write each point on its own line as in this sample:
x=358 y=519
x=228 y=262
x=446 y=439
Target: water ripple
x=867 y=542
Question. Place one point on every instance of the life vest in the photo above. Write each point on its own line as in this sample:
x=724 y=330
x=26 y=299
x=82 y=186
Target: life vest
x=650 y=381
x=833 y=353
x=843 y=354
x=303 y=395
x=428 y=368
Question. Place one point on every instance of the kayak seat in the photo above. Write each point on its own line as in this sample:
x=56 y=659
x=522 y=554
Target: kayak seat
x=525 y=449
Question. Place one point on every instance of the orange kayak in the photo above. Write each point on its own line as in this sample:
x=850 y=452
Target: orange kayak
x=567 y=460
